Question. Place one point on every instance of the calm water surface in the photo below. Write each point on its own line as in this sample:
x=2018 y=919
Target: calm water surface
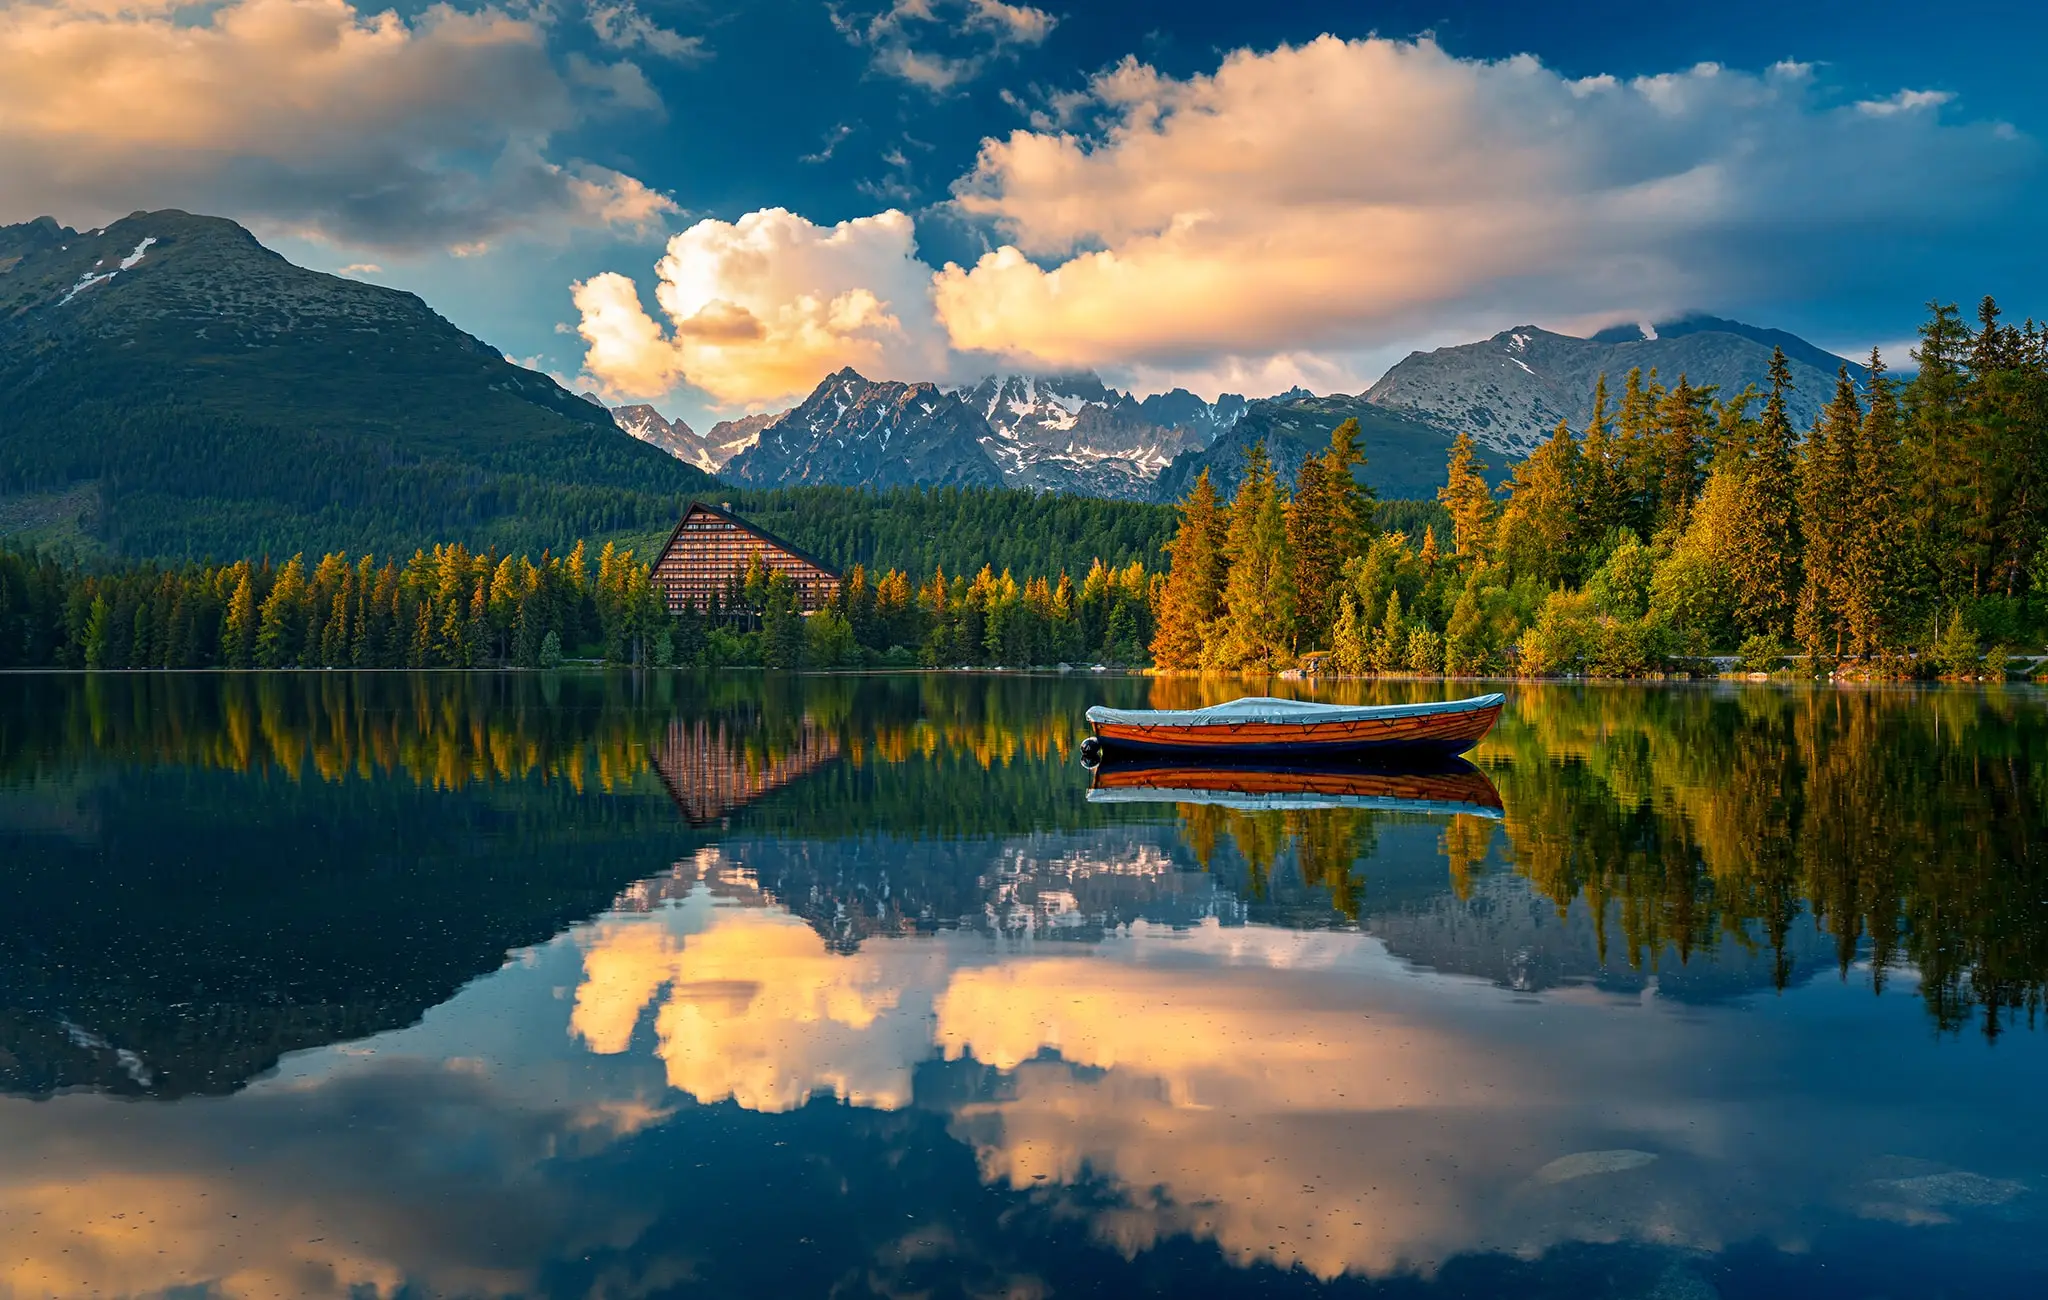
x=614 y=986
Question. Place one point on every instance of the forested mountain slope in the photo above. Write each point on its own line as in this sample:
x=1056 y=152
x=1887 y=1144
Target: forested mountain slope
x=177 y=389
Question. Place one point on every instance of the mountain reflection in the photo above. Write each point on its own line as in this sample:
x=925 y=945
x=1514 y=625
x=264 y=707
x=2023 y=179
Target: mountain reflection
x=616 y=985
x=1894 y=829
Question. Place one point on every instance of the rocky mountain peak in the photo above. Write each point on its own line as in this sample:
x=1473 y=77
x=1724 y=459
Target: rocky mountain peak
x=855 y=431
x=1509 y=391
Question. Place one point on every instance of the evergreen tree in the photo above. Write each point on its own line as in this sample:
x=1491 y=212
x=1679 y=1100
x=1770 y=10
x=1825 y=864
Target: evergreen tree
x=1827 y=489
x=1681 y=447
x=1541 y=525
x=282 y=617
x=1601 y=480
x=1768 y=544
x=1637 y=452
x=1326 y=520
x=1194 y=583
x=1469 y=502
x=1937 y=461
x=240 y=630
x=1257 y=625
x=1875 y=541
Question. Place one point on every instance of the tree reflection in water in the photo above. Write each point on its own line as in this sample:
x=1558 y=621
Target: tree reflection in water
x=1902 y=826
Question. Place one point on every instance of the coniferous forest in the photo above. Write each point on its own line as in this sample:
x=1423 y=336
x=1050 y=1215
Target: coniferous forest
x=1900 y=535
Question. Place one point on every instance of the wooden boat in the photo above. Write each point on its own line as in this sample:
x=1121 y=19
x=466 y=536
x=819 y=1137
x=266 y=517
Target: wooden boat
x=1263 y=727
x=1446 y=786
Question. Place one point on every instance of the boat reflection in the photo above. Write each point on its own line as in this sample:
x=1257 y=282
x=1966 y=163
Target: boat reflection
x=1447 y=787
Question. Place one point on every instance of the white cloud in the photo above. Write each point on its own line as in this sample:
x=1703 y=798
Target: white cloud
x=833 y=139
x=983 y=28
x=621 y=26
x=305 y=117
x=1906 y=101
x=1346 y=195
x=759 y=309
x=1307 y=214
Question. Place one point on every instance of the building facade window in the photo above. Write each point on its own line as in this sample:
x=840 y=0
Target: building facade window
x=710 y=551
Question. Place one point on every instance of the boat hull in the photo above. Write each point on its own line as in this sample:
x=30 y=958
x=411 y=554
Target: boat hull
x=1449 y=786
x=1443 y=733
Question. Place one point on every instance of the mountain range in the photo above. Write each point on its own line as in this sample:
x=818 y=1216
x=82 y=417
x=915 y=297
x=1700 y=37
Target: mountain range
x=1510 y=390
x=709 y=452
x=1073 y=433
x=170 y=387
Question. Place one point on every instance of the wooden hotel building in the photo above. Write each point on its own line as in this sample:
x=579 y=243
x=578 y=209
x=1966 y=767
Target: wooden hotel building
x=708 y=554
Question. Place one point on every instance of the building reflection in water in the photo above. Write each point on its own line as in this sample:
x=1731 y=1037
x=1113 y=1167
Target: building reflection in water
x=710 y=773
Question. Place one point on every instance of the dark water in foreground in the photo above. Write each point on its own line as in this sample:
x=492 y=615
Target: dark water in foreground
x=323 y=984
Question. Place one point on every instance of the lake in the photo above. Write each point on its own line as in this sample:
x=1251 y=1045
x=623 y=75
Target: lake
x=638 y=985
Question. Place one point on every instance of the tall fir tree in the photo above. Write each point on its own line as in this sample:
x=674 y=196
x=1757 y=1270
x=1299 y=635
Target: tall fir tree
x=1542 y=524
x=1257 y=626
x=1827 y=483
x=1936 y=442
x=1875 y=541
x=1768 y=544
x=1469 y=502
x=1600 y=479
x=1681 y=448
x=239 y=632
x=1194 y=582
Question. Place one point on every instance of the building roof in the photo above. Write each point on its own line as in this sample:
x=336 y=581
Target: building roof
x=755 y=529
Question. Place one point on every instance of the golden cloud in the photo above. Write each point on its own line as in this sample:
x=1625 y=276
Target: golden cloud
x=304 y=115
x=759 y=309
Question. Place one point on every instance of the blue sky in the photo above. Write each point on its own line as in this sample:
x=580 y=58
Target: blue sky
x=1192 y=193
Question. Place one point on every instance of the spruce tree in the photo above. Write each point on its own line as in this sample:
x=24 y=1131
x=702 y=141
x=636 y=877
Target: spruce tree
x=1541 y=525
x=1827 y=481
x=1257 y=626
x=239 y=632
x=1637 y=453
x=1934 y=443
x=1194 y=583
x=282 y=617
x=1469 y=501
x=1599 y=479
x=1767 y=575
x=1877 y=541
x=1351 y=503
x=1314 y=551
x=1680 y=451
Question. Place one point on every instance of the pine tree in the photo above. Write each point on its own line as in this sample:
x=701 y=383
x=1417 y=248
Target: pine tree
x=1681 y=448
x=239 y=632
x=1350 y=642
x=1600 y=481
x=1351 y=504
x=1875 y=541
x=1768 y=545
x=1327 y=521
x=1390 y=642
x=1257 y=626
x=1194 y=583
x=1469 y=501
x=282 y=617
x=1935 y=452
x=1541 y=526
x=1637 y=452
x=1827 y=483
x=99 y=633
